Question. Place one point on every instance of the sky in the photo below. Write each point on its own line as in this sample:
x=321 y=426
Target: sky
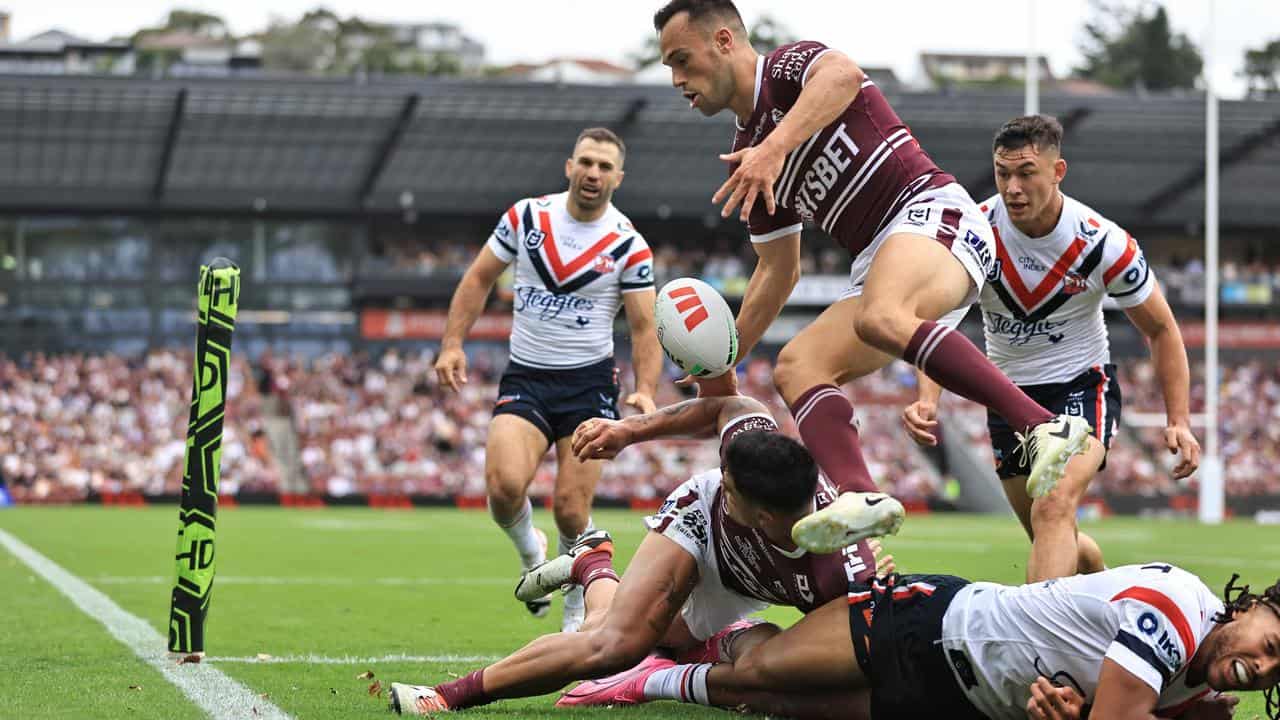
x=873 y=34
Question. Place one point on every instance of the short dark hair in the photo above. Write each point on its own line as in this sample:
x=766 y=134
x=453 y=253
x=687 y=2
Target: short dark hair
x=723 y=10
x=1042 y=131
x=772 y=470
x=602 y=134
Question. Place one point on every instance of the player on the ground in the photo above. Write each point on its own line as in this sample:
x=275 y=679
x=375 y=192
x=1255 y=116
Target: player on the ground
x=817 y=142
x=577 y=258
x=1131 y=642
x=718 y=550
x=1057 y=260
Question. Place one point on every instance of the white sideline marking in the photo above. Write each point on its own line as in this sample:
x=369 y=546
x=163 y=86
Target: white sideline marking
x=353 y=660
x=271 y=580
x=219 y=696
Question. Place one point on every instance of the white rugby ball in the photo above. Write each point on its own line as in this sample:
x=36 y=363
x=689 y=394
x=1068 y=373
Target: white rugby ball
x=696 y=327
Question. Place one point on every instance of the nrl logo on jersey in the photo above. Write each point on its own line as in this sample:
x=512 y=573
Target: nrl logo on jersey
x=534 y=239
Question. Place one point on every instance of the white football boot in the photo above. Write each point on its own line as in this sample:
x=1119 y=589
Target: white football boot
x=851 y=518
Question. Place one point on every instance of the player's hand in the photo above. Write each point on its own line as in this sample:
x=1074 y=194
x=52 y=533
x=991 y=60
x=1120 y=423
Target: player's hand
x=451 y=368
x=920 y=418
x=758 y=169
x=600 y=439
x=1180 y=441
x=718 y=386
x=642 y=402
x=1216 y=706
x=1049 y=702
x=885 y=564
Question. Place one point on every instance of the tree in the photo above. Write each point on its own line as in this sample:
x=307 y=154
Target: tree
x=1262 y=70
x=767 y=34
x=1134 y=47
x=304 y=47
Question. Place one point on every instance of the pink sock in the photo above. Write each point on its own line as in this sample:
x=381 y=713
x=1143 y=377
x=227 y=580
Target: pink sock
x=465 y=692
x=824 y=417
x=956 y=364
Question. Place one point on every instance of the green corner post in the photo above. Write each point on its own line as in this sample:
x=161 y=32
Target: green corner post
x=218 y=295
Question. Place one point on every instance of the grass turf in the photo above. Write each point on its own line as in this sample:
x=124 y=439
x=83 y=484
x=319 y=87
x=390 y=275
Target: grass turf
x=350 y=587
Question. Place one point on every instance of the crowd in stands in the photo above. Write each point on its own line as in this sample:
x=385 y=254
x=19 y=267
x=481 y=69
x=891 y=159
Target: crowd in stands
x=75 y=424
x=71 y=424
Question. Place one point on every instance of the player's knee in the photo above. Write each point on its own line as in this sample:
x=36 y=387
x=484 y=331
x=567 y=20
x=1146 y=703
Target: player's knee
x=882 y=326
x=1053 y=510
x=504 y=490
x=614 y=650
x=754 y=669
x=788 y=369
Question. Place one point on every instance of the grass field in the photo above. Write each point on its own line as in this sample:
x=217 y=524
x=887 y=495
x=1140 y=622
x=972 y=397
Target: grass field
x=410 y=595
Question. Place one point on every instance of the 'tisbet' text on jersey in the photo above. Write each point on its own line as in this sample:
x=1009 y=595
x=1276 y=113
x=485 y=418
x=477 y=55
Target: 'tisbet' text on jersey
x=569 y=279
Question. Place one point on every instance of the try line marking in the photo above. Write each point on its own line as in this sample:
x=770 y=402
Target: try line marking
x=219 y=696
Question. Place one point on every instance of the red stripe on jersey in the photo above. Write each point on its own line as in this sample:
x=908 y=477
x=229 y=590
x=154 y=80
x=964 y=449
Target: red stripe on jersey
x=638 y=257
x=562 y=271
x=1129 y=251
x=1056 y=274
x=511 y=218
x=1168 y=608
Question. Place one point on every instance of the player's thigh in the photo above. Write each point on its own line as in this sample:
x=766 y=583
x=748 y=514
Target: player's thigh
x=827 y=350
x=653 y=589
x=919 y=275
x=816 y=652
x=513 y=450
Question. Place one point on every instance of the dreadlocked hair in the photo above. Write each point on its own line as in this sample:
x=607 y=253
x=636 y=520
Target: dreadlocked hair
x=1237 y=599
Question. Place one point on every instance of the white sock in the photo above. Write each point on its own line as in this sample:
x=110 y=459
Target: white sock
x=520 y=530
x=566 y=543
x=682 y=683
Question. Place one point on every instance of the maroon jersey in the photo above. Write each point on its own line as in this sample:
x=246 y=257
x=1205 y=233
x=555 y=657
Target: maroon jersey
x=744 y=560
x=851 y=177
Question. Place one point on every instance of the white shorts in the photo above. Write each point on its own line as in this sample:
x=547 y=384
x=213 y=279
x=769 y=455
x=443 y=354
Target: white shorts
x=685 y=518
x=950 y=216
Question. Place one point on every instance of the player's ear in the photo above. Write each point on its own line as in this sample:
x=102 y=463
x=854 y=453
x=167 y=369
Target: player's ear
x=1059 y=169
x=724 y=40
x=620 y=175
x=568 y=168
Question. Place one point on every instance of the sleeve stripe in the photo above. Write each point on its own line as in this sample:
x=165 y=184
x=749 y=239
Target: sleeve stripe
x=1168 y=608
x=509 y=248
x=1136 y=288
x=804 y=76
x=1123 y=263
x=1144 y=652
x=638 y=257
x=780 y=232
x=635 y=286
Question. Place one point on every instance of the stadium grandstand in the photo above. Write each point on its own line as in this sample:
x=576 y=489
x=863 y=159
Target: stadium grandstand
x=352 y=207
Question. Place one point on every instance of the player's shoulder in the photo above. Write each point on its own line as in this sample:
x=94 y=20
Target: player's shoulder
x=1091 y=225
x=622 y=225
x=1165 y=587
x=992 y=207
x=789 y=62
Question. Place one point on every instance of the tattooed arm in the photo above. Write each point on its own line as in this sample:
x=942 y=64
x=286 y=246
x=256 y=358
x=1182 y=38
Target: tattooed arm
x=599 y=439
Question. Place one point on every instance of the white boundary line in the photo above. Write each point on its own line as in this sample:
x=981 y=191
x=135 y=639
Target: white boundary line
x=219 y=696
x=352 y=660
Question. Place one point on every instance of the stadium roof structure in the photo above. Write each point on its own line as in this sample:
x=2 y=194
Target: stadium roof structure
x=351 y=148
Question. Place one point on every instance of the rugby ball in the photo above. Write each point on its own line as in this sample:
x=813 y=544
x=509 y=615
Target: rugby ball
x=696 y=328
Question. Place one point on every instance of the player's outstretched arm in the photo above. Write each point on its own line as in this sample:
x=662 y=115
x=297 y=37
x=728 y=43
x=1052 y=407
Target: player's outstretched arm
x=1121 y=695
x=1155 y=320
x=600 y=439
x=646 y=351
x=466 y=305
x=776 y=273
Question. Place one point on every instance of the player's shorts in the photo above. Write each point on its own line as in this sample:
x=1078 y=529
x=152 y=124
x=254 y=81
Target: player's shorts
x=1093 y=395
x=557 y=401
x=896 y=625
x=948 y=215
x=685 y=519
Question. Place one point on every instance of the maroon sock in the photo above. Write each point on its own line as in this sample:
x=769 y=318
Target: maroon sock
x=592 y=567
x=824 y=417
x=956 y=364
x=465 y=692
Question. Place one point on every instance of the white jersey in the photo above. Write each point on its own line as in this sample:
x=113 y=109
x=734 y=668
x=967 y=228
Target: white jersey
x=1042 y=303
x=569 y=279
x=1148 y=618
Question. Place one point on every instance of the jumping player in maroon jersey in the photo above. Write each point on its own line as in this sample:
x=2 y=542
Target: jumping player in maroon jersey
x=818 y=143
x=719 y=549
